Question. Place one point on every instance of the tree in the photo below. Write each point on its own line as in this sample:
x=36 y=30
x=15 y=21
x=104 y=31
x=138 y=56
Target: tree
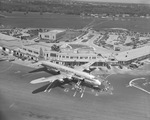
x=55 y=48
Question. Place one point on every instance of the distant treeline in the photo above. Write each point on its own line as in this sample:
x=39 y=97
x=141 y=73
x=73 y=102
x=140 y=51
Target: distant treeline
x=75 y=8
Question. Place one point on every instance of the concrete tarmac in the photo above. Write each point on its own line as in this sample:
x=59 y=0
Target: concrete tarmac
x=18 y=103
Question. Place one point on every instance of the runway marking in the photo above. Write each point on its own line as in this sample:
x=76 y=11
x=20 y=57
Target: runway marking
x=11 y=105
x=18 y=72
x=7 y=68
x=109 y=75
x=131 y=84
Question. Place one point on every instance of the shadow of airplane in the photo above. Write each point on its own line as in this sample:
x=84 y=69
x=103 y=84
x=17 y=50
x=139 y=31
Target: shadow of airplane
x=56 y=84
x=45 y=70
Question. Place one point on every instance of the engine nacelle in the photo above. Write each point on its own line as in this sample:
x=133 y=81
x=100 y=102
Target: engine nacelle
x=55 y=70
x=69 y=77
x=61 y=80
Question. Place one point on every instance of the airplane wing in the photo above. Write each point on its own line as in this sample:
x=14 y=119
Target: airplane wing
x=51 y=79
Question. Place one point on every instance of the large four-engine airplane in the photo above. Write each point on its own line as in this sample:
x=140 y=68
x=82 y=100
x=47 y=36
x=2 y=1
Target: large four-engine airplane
x=68 y=73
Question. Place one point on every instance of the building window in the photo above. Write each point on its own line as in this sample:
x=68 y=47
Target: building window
x=63 y=56
x=46 y=36
x=47 y=55
x=75 y=57
x=93 y=57
x=53 y=55
x=35 y=52
x=30 y=50
x=67 y=56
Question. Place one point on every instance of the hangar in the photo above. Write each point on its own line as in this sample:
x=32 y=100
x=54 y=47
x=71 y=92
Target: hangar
x=52 y=35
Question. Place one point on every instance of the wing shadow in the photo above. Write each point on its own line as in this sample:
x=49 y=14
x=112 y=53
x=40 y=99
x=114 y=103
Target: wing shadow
x=45 y=70
x=57 y=84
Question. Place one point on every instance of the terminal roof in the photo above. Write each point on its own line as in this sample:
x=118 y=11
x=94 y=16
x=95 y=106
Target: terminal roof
x=133 y=54
x=7 y=37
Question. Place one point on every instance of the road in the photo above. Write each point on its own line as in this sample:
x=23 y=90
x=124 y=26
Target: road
x=18 y=103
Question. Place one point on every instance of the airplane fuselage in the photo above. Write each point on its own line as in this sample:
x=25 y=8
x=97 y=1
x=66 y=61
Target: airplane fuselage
x=67 y=69
x=81 y=74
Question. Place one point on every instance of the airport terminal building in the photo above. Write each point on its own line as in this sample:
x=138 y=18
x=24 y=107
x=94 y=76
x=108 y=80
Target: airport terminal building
x=75 y=54
x=66 y=56
x=130 y=56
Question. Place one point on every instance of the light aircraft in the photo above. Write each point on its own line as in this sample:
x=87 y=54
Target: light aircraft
x=70 y=74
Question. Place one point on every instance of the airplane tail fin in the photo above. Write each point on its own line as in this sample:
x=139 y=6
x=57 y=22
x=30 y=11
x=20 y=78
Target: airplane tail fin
x=41 y=55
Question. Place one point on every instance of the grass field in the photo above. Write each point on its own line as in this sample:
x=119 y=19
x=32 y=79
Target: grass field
x=48 y=20
x=134 y=24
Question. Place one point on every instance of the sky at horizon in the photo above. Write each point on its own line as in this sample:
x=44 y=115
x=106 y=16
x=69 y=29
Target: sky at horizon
x=122 y=1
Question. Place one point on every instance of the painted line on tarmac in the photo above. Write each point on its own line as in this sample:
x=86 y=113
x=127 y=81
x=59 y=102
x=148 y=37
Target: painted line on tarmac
x=7 y=68
x=18 y=72
x=131 y=84
x=141 y=89
x=109 y=75
x=11 y=105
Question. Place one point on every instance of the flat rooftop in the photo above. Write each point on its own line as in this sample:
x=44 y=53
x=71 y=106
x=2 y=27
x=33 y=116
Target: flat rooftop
x=133 y=54
x=12 y=44
x=76 y=46
x=38 y=46
x=7 y=37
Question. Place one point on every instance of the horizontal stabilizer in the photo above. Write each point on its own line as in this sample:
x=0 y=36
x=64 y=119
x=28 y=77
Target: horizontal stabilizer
x=49 y=79
x=39 y=80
